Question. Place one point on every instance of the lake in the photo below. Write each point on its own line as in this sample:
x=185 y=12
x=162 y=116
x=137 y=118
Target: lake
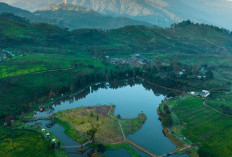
x=130 y=100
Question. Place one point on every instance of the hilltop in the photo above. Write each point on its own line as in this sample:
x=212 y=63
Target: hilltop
x=185 y=37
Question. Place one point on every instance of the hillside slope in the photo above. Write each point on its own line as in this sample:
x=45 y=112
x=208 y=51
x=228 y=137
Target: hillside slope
x=184 y=37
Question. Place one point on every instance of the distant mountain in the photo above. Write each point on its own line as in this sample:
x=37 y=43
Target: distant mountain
x=72 y=17
x=162 y=12
x=31 y=5
x=152 y=11
x=143 y=10
x=5 y=8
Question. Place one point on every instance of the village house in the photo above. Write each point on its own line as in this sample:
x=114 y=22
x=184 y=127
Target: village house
x=203 y=93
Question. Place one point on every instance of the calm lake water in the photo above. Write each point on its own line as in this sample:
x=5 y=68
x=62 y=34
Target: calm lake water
x=129 y=101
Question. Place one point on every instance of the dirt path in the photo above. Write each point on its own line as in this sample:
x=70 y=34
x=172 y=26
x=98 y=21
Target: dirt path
x=215 y=109
x=123 y=134
x=122 y=130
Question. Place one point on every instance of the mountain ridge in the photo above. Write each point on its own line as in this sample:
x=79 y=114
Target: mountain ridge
x=160 y=12
x=71 y=17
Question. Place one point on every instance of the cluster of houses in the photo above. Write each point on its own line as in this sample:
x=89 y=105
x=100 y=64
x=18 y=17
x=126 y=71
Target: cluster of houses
x=203 y=93
x=135 y=60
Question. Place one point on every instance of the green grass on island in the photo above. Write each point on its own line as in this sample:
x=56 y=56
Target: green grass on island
x=204 y=126
x=107 y=126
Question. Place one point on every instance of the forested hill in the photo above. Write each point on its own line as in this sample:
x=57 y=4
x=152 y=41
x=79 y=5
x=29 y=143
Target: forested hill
x=184 y=37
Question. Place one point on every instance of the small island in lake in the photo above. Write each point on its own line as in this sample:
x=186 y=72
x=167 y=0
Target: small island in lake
x=107 y=128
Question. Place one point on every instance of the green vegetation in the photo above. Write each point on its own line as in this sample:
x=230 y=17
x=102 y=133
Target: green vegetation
x=58 y=61
x=38 y=63
x=132 y=125
x=221 y=101
x=24 y=143
x=205 y=127
x=106 y=127
x=62 y=61
x=166 y=116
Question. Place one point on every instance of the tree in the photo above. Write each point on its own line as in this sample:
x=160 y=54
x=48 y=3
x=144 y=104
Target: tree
x=119 y=116
x=53 y=145
x=58 y=144
x=91 y=132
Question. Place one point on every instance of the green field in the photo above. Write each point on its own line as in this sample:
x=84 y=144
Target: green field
x=36 y=63
x=202 y=125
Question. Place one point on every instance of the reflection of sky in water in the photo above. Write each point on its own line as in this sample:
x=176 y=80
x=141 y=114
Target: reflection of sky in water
x=130 y=101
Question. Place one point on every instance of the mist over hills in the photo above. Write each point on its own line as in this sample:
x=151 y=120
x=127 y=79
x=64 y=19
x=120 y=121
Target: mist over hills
x=162 y=12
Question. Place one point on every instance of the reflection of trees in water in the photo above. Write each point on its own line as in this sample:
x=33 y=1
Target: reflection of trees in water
x=115 y=84
x=159 y=90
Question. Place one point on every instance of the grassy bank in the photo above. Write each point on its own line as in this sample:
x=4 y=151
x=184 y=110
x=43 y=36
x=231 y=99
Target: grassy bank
x=70 y=131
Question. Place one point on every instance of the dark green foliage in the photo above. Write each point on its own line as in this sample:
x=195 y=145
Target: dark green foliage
x=166 y=116
x=13 y=18
x=226 y=109
x=101 y=148
x=91 y=133
x=204 y=151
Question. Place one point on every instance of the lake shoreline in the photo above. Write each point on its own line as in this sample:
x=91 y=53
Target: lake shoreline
x=179 y=144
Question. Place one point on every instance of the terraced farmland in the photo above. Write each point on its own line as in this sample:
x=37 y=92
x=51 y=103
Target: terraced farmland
x=205 y=127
